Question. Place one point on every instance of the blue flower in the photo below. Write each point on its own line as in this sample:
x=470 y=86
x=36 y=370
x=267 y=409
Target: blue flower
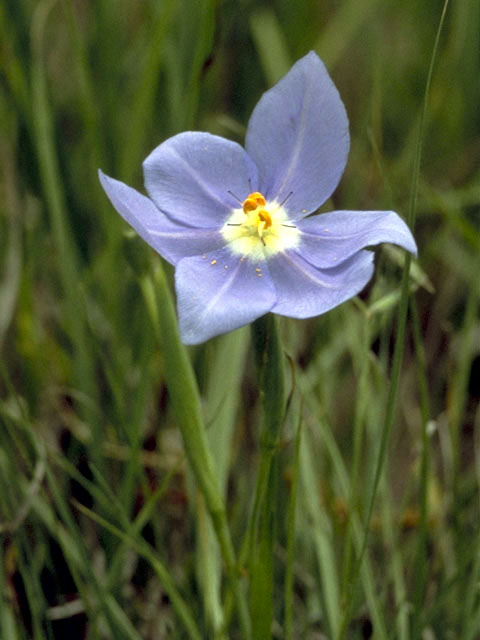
x=235 y=222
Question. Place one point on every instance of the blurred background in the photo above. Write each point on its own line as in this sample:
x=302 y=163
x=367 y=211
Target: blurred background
x=85 y=419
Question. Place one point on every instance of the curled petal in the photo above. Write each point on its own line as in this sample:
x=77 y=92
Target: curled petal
x=303 y=291
x=328 y=239
x=298 y=138
x=191 y=177
x=218 y=292
x=170 y=239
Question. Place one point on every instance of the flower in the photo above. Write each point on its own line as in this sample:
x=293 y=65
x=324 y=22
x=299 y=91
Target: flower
x=235 y=222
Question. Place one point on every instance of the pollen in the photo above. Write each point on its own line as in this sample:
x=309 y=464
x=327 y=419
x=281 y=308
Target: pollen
x=266 y=218
x=260 y=228
x=213 y=262
x=253 y=201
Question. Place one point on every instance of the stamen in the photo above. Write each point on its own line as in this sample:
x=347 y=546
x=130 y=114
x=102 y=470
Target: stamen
x=234 y=196
x=263 y=227
x=249 y=205
x=285 y=199
x=259 y=197
x=265 y=217
x=253 y=201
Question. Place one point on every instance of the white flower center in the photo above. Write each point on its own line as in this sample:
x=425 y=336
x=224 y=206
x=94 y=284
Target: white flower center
x=259 y=229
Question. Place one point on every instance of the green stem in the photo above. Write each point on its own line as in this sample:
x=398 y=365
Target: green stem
x=261 y=534
x=185 y=399
x=289 y=576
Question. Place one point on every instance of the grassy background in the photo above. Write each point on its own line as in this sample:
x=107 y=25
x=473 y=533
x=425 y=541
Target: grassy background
x=104 y=534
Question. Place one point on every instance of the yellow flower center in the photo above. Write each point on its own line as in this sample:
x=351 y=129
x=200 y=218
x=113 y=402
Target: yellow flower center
x=259 y=229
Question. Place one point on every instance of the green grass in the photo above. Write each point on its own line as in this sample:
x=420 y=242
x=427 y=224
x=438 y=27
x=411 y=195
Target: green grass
x=130 y=505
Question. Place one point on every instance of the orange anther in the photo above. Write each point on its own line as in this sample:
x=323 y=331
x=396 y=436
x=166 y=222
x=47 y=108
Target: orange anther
x=249 y=205
x=253 y=201
x=265 y=217
x=259 y=197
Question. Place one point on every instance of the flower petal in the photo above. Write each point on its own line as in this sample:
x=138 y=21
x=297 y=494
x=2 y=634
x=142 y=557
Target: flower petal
x=304 y=291
x=328 y=239
x=170 y=239
x=191 y=175
x=218 y=292
x=298 y=138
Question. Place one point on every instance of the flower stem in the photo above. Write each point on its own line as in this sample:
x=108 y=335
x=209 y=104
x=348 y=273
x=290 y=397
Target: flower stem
x=261 y=534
